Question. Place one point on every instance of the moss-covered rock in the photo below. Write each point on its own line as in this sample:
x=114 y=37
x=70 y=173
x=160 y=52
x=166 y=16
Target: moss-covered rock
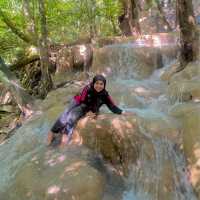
x=189 y=113
x=185 y=85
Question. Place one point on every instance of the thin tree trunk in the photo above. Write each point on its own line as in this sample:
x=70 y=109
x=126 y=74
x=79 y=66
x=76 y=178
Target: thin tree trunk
x=26 y=38
x=28 y=13
x=113 y=25
x=91 y=6
x=129 y=20
x=188 y=35
x=159 y=6
x=46 y=82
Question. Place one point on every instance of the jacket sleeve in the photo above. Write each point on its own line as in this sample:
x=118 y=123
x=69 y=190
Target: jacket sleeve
x=111 y=105
x=84 y=93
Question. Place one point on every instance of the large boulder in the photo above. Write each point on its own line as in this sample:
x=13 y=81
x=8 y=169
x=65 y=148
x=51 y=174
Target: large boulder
x=185 y=84
x=55 y=175
x=9 y=112
x=34 y=171
x=5 y=95
x=130 y=148
x=116 y=138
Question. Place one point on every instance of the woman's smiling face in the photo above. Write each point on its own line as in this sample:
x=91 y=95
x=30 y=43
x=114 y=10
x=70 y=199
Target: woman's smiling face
x=99 y=86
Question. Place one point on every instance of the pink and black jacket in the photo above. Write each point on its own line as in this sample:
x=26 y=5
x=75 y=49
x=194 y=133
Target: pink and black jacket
x=93 y=100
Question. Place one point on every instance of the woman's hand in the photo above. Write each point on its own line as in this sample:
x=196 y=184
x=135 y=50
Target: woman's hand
x=91 y=115
x=125 y=113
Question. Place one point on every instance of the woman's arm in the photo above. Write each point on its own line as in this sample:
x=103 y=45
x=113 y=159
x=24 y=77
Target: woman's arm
x=111 y=105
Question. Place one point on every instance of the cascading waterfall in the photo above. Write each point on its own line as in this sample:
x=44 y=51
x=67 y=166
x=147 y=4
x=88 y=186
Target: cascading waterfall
x=145 y=176
x=144 y=181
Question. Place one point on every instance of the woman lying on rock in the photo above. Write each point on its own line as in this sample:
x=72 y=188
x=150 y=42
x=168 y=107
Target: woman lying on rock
x=88 y=102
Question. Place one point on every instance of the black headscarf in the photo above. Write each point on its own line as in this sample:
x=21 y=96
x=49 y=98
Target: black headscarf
x=95 y=99
x=98 y=77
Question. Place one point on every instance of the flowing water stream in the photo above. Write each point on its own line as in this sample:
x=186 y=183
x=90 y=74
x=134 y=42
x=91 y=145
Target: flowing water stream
x=145 y=181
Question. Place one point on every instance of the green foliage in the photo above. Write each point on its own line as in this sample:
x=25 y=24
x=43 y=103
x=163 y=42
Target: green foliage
x=74 y=18
x=10 y=45
x=67 y=20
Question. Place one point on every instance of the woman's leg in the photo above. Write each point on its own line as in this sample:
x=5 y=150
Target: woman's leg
x=50 y=138
x=64 y=116
x=56 y=128
x=73 y=116
x=60 y=123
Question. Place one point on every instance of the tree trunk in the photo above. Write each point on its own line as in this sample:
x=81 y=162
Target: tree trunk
x=24 y=61
x=91 y=7
x=113 y=25
x=162 y=15
x=188 y=34
x=129 y=20
x=46 y=81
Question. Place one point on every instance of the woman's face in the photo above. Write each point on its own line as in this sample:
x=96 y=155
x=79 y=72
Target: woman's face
x=99 y=86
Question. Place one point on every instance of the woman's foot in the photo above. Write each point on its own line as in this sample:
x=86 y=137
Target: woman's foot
x=64 y=140
x=50 y=138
